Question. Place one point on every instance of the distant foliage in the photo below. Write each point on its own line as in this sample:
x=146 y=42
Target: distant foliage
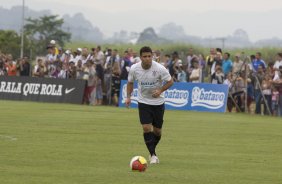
x=46 y=28
x=10 y=43
x=150 y=36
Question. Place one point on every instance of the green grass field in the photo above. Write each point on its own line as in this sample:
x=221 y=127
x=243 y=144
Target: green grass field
x=43 y=143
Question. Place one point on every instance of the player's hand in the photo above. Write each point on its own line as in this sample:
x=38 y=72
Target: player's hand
x=127 y=102
x=156 y=93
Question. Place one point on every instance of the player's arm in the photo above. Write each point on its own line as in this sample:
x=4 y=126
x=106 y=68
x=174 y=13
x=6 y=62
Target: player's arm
x=129 y=90
x=167 y=85
x=165 y=76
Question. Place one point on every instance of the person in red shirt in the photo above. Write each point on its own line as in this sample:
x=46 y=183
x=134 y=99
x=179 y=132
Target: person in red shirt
x=10 y=66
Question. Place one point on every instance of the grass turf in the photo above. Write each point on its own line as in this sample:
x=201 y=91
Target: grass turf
x=73 y=144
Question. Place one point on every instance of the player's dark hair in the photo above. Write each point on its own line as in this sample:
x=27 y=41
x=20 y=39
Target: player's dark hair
x=145 y=49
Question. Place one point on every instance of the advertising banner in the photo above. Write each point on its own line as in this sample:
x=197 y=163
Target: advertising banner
x=42 y=89
x=187 y=96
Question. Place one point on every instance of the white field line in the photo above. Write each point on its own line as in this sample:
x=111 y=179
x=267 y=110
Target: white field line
x=6 y=137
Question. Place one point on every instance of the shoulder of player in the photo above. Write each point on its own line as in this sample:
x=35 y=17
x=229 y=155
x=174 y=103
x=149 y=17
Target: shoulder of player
x=158 y=65
x=135 y=66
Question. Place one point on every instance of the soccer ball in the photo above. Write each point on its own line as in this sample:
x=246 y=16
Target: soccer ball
x=138 y=163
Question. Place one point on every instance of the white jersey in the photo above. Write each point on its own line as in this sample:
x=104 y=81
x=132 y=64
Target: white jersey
x=277 y=73
x=149 y=80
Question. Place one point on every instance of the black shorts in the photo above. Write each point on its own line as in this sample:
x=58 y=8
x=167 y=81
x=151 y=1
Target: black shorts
x=151 y=114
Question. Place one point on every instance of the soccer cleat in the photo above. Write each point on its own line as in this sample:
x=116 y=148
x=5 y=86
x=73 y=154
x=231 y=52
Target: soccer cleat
x=154 y=159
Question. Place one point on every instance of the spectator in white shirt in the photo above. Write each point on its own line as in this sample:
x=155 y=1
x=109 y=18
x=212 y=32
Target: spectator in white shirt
x=196 y=74
x=276 y=66
x=78 y=55
x=99 y=57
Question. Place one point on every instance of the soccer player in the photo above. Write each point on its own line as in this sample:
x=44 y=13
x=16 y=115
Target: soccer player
x=153 y=79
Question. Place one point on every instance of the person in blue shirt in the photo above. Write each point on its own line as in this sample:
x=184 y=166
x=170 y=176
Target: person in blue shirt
x=258 y=62
x=250 y=94
x=226 y=64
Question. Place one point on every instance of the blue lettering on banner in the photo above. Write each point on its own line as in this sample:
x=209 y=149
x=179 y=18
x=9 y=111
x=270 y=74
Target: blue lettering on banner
x=208 y=99
x=187 y=96
x=176 y=98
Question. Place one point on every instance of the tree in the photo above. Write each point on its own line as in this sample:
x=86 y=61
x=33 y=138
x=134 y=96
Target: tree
x=241 y=35
x=46 y=28
x=149 y=36
x=238 y=39
x=10 y=43
x=172 y=31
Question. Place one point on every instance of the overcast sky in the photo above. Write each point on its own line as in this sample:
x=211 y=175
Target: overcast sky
x=205 y=18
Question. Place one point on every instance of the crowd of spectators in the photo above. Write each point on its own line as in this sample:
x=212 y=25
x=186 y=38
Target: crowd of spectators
x=251 y=80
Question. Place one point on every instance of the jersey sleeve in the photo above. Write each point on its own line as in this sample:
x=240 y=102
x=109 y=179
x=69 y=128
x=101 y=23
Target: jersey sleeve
x=165 y=76
x=130 y=77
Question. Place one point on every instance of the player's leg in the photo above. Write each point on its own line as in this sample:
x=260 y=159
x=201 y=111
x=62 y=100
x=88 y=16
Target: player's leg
x=158 y=122
x=156 y=138
x=157 y=135
x=149 y=138
x=158 y=113
x=146 y=121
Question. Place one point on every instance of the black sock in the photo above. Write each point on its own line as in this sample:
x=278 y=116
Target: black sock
x=157 y=139
x=150 y=142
